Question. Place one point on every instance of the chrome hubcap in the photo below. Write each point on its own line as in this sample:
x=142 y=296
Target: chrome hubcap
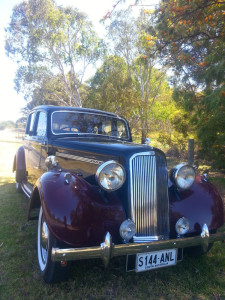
x=44 y=241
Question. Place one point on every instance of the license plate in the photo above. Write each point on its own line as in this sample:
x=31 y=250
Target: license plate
x=153 y=260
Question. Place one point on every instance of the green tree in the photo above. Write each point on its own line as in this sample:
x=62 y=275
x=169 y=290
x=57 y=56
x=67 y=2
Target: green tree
x=52 y=91
x=192 y=36
x=111 y=89
x=114 y=90
x=47 y=39
x=7 y=124
x=132 y=40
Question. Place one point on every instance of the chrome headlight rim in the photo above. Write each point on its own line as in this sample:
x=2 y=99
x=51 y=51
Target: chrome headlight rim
x=175 y=175
x=101 y=167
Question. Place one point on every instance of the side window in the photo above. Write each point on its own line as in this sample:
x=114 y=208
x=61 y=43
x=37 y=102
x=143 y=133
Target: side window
x=30 y=124
x=41 y=124
x=121 y=129
x=106 y=127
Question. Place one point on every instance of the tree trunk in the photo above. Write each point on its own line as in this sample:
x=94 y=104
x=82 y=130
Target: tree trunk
x=144 y=131
x=190 y=152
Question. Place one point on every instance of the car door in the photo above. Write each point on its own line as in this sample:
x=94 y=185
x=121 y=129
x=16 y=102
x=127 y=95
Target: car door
x=36 y=147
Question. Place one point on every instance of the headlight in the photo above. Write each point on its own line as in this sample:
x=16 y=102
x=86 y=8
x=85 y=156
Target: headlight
x=182 y=226
x=127 y=230
x=111 y=175
x=183 y=176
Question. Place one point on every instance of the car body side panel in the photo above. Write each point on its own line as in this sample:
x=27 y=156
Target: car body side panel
x=201 y=204
x=78 y=213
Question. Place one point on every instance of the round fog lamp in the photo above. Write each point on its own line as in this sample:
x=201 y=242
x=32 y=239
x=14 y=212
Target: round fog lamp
x=182 y=226
x=127 y=230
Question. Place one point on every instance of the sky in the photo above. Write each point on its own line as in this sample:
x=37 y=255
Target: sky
x=11 y=102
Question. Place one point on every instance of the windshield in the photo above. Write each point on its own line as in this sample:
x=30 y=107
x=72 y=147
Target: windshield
x=88 y=123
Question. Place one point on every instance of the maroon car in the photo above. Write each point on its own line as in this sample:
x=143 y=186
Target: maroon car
x=99 y=195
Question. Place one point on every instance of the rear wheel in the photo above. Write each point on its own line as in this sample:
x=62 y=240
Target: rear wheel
x=50 y=271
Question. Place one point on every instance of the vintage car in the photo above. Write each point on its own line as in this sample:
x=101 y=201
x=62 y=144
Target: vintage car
x=99 y=195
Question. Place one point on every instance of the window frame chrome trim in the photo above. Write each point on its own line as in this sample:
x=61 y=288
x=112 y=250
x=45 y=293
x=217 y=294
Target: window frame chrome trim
x=91 y=134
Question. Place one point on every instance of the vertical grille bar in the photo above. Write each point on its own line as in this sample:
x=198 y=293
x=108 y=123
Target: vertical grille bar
x=149 y=198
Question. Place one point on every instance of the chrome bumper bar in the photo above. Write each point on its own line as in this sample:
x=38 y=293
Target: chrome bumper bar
x=108 y=250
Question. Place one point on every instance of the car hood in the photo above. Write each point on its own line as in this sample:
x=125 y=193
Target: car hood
x=103 y=146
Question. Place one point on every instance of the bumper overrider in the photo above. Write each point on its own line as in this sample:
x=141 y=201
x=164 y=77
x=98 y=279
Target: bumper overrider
x=107 y=249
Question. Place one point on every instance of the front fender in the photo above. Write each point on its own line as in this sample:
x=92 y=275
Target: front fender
x=201 y=204
x=77 y=213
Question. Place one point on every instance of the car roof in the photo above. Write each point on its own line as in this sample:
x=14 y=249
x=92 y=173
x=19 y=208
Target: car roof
x=52 y=108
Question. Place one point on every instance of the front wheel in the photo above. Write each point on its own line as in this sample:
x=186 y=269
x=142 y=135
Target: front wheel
x=197 y=251
x=50 y=271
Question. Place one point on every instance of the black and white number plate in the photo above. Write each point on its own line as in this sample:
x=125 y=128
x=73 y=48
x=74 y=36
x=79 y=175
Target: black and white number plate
x=154 y=260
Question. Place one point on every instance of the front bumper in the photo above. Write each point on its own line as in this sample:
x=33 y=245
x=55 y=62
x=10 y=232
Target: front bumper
x=107 y=249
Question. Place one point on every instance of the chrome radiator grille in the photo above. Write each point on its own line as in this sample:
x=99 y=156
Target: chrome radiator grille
x=149 y=196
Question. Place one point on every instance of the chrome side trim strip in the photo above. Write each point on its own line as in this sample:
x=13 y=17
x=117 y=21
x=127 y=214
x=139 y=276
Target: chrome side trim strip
x=74 y=157
x=26 y=190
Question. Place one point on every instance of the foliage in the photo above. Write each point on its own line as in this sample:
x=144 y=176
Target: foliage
x=175 y=130
x=21 y=123
x=192 y=36
x=111 y=89
x=47 y=39
x=6 y=124
x=52 y=91
x=138 y=49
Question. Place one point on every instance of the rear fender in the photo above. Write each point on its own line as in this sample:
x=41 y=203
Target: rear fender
x=77 y=213
x=19 y=164
x=201 y=204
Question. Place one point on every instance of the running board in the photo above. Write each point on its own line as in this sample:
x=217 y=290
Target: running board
x=27 y=189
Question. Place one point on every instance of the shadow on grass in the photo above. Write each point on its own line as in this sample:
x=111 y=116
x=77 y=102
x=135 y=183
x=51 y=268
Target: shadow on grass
x=202 y=278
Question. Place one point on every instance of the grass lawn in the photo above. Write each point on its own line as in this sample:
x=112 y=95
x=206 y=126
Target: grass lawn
x=202 y=278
